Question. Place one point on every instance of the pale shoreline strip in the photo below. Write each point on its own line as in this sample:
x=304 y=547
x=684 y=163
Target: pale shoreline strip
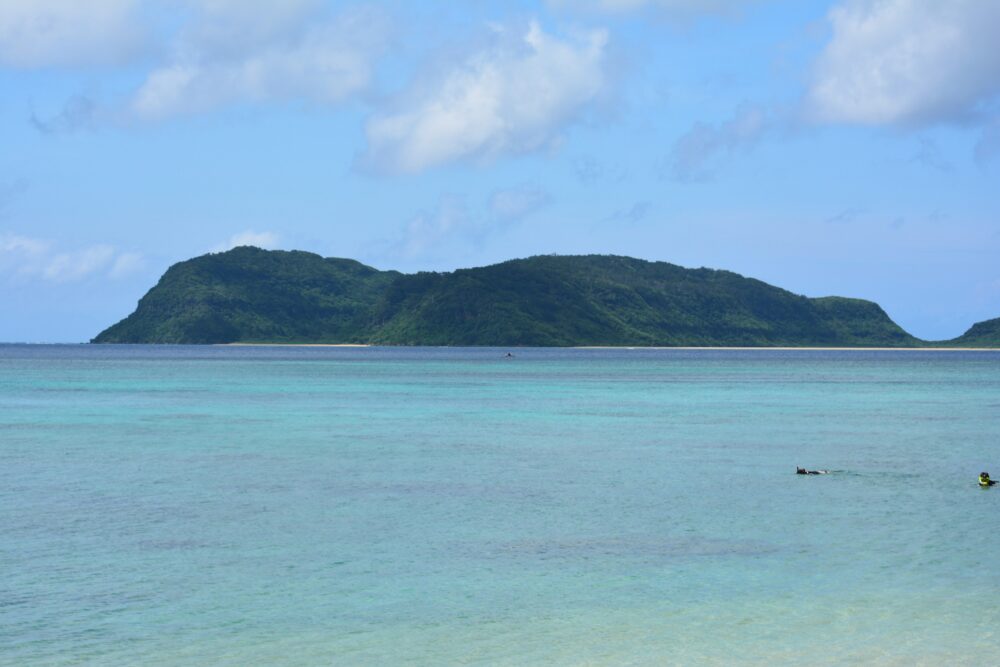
x=793 y=349
x=638 y=347
x=292 y=344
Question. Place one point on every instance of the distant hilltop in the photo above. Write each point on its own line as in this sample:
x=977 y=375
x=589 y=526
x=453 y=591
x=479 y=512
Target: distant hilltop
x=249 y=295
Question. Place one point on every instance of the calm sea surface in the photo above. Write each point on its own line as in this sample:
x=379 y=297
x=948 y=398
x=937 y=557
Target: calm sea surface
x=321 y=506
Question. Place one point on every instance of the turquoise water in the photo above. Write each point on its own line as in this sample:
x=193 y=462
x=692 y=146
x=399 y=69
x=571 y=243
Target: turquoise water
x=315 y=506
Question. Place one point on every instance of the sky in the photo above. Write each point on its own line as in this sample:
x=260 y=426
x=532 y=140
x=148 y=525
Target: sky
x=829 y=147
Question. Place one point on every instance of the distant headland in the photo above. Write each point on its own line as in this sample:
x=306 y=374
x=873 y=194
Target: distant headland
x=249 y=295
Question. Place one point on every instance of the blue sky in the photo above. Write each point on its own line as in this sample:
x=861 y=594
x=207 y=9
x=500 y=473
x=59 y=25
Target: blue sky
x=846 y=147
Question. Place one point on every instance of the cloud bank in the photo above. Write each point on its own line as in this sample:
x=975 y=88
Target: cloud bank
x=232 y=55
x=907 y=62
x=515 y=94
x=26 y=257
x=57 y=33
x=511 y=98
x=681 y=8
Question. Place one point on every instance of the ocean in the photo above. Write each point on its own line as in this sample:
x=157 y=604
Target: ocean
x=239 y=506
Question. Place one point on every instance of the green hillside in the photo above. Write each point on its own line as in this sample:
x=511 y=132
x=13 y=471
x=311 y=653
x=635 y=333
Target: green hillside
x=253 y=295
x=601 y=300
x=981 y=334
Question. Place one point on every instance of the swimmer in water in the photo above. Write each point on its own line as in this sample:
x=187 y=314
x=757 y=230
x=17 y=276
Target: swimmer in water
x=803 y=471
x=985 y=481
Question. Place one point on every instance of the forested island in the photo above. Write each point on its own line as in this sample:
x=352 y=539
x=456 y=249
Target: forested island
x=249 y=295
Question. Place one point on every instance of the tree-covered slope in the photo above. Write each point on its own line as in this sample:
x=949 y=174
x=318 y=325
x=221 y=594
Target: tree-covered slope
x=252 y=295
x=603 y=300
x=981 y=334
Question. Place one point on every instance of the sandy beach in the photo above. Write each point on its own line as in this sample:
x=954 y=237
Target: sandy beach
x=295 y=345
x=641 y=348
x=792 y=349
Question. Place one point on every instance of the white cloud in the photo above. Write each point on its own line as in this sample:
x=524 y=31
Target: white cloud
x=265 y=240
x=515 y=203
x=235 y=53
x=907 y=61
x=234 y=27
x=43 y=33
x=696 y=153
x=213 y=52
x=23 y=256
x=452 y=228
x=72 y=266
x=513 y=97
x=12 y=244
x=126 y=264
x=429 y=231
x=679 y=8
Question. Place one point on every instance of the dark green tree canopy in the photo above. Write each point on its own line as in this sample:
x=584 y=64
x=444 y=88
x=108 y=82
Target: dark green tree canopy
x=254 y=296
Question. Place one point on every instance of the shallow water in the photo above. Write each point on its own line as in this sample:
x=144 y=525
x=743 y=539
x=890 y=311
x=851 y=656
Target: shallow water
x=304 y=506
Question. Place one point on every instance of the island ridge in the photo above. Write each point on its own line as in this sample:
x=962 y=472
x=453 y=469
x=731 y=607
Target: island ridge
x=249 y=295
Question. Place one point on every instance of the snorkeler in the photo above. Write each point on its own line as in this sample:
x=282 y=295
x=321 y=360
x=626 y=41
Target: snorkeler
x=985 y=481
x=803 y=471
